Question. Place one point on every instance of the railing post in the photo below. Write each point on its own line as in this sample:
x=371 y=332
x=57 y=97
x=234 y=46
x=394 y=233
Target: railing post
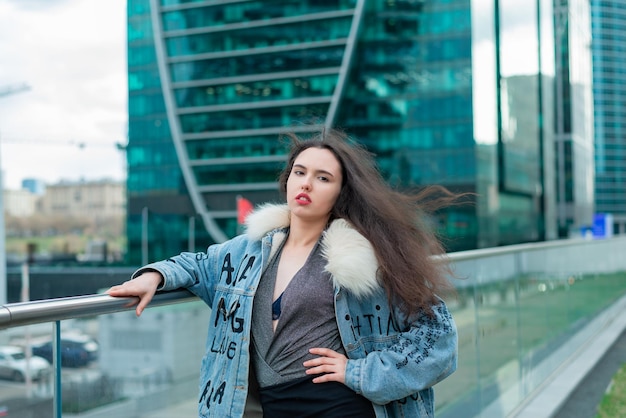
x=56 y=355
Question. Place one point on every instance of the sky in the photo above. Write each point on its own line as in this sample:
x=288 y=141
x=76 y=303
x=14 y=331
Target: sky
x=72 y=56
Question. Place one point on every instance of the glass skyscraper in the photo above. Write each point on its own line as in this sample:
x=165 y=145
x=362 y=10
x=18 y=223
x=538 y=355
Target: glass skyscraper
x=608 y=21
x=574 y=117
x=453 y=92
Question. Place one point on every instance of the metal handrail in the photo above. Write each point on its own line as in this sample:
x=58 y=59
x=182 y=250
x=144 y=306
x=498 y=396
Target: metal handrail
x=530 y=246
x=49 y=310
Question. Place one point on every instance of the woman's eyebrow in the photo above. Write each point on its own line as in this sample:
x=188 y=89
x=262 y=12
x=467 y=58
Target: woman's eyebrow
x=325 y=172
x=322 y=171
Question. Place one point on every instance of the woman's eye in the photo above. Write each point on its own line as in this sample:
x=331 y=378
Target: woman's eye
x=322 y=178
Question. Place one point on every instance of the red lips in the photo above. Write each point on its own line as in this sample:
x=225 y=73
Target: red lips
x=303 y=199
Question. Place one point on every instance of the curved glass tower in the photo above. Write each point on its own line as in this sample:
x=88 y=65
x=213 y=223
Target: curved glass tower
x=234 y=75
x=212 y=84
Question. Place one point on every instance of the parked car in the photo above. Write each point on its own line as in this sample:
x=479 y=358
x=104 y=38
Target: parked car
x=76 y=350
x=14 y=365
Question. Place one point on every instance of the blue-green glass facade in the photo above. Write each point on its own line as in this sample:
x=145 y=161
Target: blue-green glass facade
x=431 y=87
x=608 y=20
x=160 y=217
x=573 y=117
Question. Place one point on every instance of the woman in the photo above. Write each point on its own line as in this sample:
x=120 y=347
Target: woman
x=327 y=306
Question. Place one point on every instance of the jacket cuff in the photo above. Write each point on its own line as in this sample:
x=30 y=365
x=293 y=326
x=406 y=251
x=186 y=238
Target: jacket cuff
x=142 y=270
x=353 y=375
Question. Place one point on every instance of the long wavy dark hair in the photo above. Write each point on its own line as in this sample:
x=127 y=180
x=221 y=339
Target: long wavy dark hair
x=412 y=265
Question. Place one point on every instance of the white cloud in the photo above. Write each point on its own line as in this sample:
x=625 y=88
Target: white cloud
x=72 y=53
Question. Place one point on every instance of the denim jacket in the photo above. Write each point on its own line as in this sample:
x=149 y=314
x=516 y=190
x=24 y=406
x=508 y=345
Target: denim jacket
x=393 y=360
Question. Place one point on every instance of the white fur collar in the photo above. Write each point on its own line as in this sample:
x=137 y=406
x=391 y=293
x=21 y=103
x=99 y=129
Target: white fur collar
x=350 y=257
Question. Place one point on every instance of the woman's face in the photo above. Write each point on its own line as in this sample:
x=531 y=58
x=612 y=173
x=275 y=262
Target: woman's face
x=314 y=184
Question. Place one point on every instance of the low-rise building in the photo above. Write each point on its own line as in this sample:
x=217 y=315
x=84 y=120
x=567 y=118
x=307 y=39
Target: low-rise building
x=99 y=199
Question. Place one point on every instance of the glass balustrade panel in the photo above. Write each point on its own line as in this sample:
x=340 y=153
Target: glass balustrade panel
x=26 y=379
